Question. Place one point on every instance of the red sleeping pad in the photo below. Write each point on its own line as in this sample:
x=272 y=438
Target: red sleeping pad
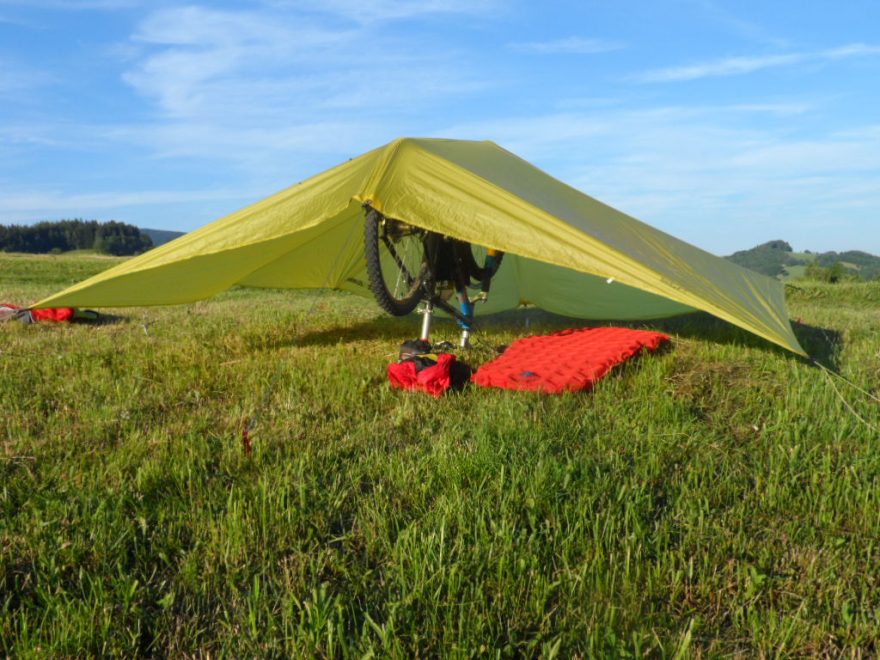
x=566 y=360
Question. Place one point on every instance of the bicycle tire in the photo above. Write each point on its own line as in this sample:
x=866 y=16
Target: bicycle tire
x=382 y=232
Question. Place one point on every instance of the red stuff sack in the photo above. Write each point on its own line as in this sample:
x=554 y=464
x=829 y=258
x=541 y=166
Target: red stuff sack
x=434 y=379
x=55 y=314
x=52 y=314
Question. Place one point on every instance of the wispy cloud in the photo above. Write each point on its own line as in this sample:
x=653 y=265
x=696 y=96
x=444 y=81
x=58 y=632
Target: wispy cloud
x=20 y=135
x=850 y=50
x=16 y=78
x=375 y=11
x=269 y=93
x=737 y=25
x=35 y=204
x=207 y=63
x=567 y=46
x=234 y=100
x=732 y=66
x=257 y=148
x=782 y=109
x=228 y=83
x=550 y=134
x=73 y=5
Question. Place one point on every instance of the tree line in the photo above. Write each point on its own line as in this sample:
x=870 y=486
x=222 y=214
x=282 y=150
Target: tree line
x=117 y=238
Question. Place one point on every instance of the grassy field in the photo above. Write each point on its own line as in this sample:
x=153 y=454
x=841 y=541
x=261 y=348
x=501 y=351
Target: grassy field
x=719 y=498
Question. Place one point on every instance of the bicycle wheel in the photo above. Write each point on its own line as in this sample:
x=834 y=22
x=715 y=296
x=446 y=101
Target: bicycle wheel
x=397 y=266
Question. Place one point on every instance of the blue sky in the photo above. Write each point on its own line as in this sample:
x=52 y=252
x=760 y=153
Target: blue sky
x=726 y=124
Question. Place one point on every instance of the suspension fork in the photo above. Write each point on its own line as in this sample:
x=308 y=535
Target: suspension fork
x=432 y=247
x=433 y=302
x=427 y=319
x=465 y=304
x=464 y=316
x=464 y=322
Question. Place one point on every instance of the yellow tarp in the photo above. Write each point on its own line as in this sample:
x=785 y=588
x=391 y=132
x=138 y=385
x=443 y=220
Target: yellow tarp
x=567 y=252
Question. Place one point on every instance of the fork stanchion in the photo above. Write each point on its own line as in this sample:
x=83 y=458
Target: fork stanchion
x=427 y=318
x=466 y=319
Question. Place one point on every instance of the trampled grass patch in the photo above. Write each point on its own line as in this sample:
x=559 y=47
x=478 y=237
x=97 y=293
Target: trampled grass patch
x=716 y=498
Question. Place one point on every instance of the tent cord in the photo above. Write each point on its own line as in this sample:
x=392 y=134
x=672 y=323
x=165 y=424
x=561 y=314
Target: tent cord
x=828 y=374
x=845 y=380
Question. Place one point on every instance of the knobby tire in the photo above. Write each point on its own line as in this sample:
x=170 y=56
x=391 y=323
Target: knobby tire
x=372 y=253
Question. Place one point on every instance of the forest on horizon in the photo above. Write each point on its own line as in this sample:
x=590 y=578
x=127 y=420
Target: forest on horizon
x=115 y=238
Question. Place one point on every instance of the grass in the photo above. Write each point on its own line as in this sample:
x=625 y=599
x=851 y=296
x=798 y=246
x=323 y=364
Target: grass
x=718 y=498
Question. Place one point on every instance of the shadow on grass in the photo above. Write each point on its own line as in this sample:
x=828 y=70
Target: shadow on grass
x=382 y=327
x=102 y=319
x=822 y=344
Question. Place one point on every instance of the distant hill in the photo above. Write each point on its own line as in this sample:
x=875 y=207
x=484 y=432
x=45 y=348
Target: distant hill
x=777 y=259
x=867 y=265
x=769 y=258
x=161 y=236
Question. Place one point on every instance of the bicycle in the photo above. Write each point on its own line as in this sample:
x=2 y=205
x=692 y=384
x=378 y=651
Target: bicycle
x=407 y=265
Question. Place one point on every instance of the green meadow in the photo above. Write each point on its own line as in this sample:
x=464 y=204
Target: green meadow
x=721 y=497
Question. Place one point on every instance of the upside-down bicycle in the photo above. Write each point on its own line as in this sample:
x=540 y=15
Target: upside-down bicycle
x=407 y=265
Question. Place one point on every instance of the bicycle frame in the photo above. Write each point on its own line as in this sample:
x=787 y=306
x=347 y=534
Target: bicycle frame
x=444 y=263
x=465 y=314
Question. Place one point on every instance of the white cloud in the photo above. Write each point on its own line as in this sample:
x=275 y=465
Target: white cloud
x=203 y=62
x=73 y=5
x=782 y=109
x=737 y=25
x=732 y=66
x=17 y=79
x=228 y=65
x=377 y=11
x=203 y=27
x=551 y=134
x=31 y=204
x=568 y=46
x=254 y=146
x=16 y=135
x=264 y=96
x=850 y=50
x=232 y=84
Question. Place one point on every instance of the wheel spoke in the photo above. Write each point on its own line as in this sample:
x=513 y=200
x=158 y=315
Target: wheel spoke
x=395 y=260
x=403 y=270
